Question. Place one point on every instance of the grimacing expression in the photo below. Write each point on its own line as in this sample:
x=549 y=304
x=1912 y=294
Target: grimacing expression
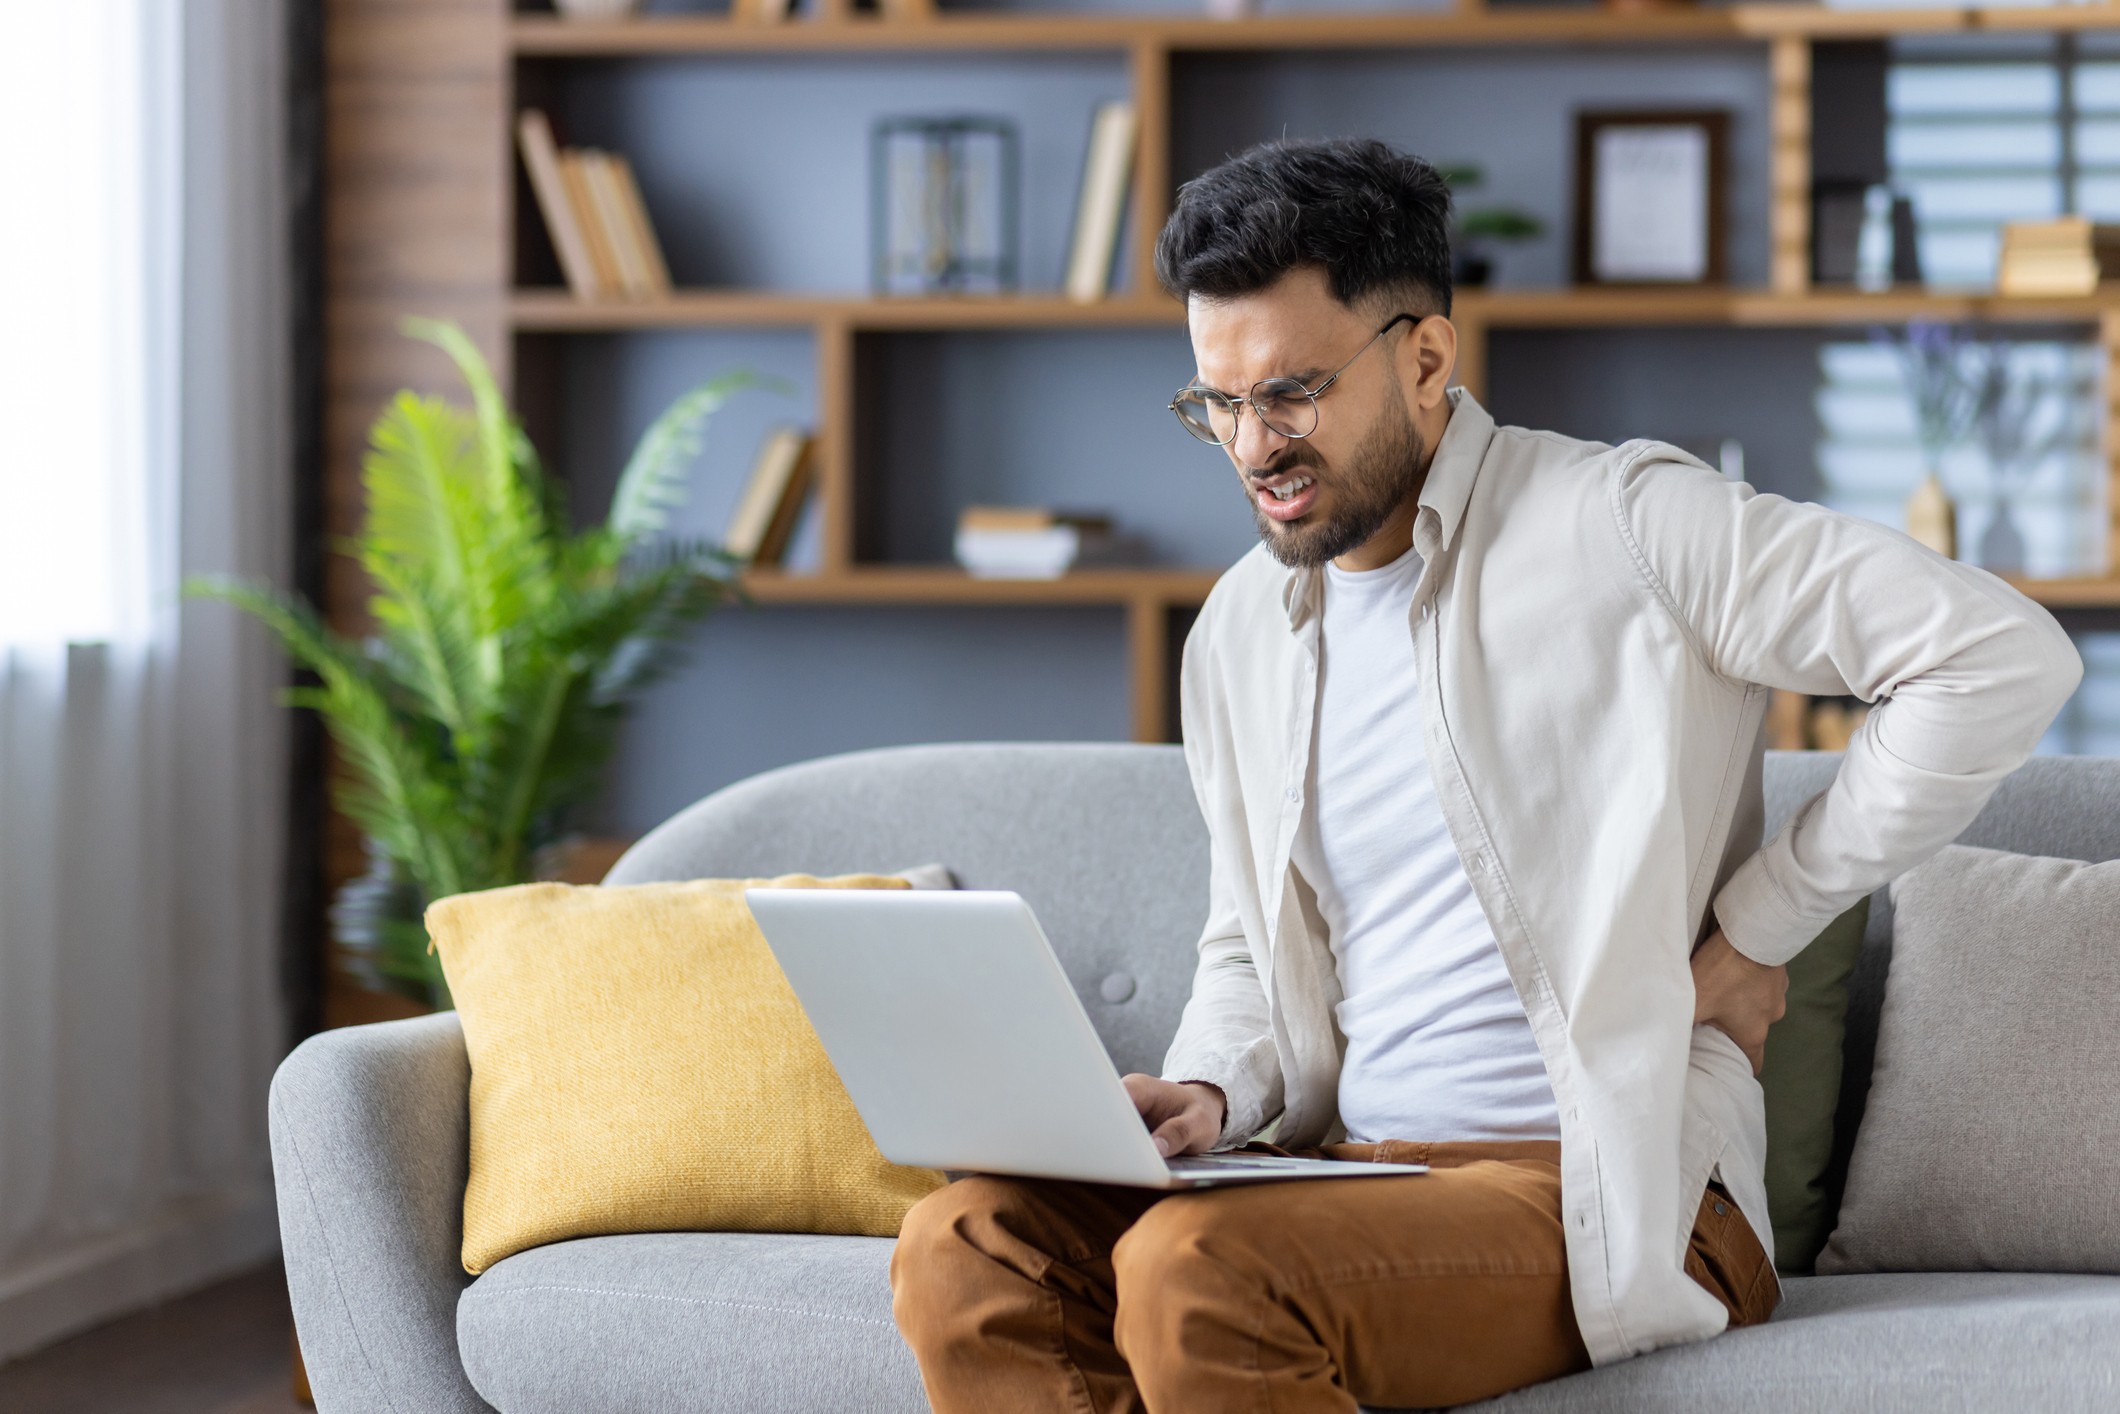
x=1356 y=495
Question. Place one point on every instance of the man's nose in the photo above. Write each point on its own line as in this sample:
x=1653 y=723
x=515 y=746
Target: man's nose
x=1257 y=444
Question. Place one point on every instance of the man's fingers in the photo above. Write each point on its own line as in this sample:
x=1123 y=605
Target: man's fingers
x=1177 y=1134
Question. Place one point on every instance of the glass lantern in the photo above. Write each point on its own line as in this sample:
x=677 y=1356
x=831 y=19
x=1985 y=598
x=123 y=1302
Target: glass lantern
x=943 y=203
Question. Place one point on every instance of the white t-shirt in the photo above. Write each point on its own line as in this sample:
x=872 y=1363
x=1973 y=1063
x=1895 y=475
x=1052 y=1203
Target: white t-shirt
x=1438 y=1046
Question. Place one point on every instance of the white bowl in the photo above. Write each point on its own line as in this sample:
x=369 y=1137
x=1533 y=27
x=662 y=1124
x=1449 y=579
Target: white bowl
x=596 y=9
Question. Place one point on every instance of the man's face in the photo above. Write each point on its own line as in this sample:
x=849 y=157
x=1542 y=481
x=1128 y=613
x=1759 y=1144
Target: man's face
x=1363 y=461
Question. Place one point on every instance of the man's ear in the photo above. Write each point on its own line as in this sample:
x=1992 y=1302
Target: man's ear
x=1431 y=354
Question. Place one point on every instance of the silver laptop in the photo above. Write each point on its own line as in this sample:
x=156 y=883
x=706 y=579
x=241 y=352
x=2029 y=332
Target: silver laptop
x=964 y=1047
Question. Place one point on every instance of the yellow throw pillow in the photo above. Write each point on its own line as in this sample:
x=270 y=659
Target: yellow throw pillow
x=640 y=1064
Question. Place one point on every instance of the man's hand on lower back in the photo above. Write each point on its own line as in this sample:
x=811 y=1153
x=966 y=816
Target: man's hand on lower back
x=1739 y=997
x=1183 y=1117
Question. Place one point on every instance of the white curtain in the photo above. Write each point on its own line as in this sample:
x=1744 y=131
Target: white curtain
x=143 y=438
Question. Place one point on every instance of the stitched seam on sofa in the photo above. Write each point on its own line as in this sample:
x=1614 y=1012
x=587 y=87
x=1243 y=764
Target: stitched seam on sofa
x=331 y=1256
x=695 y=1301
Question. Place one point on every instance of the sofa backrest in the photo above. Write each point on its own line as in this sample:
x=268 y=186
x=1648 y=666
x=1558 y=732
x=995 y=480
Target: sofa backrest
x=1106 y=843
x=2064 y=806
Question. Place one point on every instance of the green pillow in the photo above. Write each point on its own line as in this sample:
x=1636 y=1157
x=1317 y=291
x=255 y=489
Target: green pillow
x=1802 y=1083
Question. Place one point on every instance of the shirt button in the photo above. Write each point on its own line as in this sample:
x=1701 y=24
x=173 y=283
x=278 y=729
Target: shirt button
x=1479 y=861
x=1295 y=793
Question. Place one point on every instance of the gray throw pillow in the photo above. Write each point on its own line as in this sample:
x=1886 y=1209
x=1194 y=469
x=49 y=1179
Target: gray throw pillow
x=1994 y=1109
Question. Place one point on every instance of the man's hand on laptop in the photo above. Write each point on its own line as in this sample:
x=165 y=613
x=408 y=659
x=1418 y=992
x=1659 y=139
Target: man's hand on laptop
x=1183 y=1117
x=1739 y=997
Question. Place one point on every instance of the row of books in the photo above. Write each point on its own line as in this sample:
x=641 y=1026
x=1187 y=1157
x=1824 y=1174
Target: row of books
x=2064 y=257
x=594 y=213
x=1028 y=542
x=606 y=244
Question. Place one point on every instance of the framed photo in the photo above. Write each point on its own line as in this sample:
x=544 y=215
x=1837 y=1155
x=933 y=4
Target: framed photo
x=1649 y=197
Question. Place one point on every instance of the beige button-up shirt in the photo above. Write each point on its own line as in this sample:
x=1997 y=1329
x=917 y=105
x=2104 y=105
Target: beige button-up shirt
x=1596 y=631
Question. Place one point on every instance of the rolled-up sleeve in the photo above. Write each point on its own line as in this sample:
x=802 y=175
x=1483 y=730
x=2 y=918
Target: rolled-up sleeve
x=1964 y=672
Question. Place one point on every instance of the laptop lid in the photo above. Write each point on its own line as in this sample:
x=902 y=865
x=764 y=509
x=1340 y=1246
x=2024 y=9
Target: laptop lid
x=956 y=1033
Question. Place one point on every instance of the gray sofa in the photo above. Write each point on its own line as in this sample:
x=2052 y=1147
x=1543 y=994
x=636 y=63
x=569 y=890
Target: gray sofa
x=368 y=1133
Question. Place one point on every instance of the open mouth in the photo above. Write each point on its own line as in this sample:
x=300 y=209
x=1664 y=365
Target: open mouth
x=1286 y=498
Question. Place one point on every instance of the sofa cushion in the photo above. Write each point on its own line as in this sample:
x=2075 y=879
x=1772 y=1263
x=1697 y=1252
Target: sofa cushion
x=693 y=1321
x=639 y=1063
x=1991 y=1114
x=1888 y=1343
x=697 y=1323
x=1801 y=1086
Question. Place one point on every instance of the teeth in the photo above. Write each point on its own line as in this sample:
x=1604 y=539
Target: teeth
x=1283 y=493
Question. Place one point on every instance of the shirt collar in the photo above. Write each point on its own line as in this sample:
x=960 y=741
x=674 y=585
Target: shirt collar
x=1451 y=472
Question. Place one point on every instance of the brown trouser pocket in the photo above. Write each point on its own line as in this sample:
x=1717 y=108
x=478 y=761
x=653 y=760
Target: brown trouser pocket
x=1725 y=1258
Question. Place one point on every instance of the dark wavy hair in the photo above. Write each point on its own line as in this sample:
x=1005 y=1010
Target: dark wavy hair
x=1377 y=221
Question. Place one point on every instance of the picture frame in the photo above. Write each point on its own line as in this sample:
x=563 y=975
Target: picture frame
x=1631 y=163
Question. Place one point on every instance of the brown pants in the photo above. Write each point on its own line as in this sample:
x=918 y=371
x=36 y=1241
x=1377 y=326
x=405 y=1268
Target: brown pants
x=1423 y=1290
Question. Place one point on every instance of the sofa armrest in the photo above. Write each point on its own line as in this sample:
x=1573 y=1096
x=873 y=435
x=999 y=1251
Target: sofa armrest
x=370 y=1138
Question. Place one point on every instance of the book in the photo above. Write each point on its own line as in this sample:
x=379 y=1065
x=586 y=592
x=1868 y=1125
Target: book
x=541 y=156
x=601 y=171
x=1101 y=202
x=573 y=169
x=1026 y=518
x=2069 y=256
x=772 y=497
x=643 y=229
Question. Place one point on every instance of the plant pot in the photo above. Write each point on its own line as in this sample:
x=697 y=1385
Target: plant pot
x=377 y=923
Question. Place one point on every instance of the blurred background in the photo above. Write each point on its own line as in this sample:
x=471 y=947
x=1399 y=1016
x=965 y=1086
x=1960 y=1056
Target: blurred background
x=836 y=316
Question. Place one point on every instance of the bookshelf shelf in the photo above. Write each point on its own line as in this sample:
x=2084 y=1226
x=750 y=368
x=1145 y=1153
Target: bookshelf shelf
x=946 y=584
x=555 y=311
x=542 y=36
x=1176 y=588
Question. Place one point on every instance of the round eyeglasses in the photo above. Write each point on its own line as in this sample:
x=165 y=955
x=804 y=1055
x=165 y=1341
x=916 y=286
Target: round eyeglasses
x=1282 y=404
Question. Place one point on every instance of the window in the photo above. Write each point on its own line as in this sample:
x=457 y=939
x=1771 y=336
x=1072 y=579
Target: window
x=71 y=336
x=2001 y=127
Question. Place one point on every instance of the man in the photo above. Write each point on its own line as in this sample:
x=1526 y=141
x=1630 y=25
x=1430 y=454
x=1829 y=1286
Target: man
x=1476 y=732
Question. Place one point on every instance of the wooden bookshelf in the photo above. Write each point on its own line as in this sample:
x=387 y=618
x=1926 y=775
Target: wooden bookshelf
x=422 y=219
x=546 y=36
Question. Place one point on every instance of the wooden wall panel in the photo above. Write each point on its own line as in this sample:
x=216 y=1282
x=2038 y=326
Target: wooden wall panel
x=416 y=171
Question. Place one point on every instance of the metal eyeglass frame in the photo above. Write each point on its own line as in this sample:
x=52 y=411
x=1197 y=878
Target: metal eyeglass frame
x=1237 y=405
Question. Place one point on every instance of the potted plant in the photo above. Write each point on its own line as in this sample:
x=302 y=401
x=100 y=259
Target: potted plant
x=1472 y=265
x=505 y=651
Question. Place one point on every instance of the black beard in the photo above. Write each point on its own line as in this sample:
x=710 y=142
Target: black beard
x=1383 y=474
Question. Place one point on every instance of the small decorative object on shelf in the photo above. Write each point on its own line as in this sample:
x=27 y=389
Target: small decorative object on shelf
x=1029 y=542
x=1887 y=244
x=944 y=193
x=1649 y=197
x=1471 y=266
x=1232 y=9
x=596 y=9
x=1101 y=202
x=1932 y=518
x=2011 y=395
x=2065 y=257
x=1934 y=361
